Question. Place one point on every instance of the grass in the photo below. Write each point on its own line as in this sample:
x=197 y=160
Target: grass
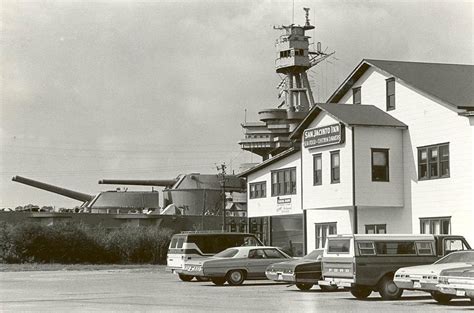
x=25 y=267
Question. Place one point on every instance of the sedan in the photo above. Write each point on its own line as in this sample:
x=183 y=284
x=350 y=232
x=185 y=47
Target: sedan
x=425 y=277
x=235 y=265
x=457 y=282
x=304 y=272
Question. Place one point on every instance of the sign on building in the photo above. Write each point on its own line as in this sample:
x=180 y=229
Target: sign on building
x=323 y=136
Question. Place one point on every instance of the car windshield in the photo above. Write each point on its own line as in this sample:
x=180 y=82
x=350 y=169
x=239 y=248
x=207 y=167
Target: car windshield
x=228 y=253
x=314 y=255
x=467 y=257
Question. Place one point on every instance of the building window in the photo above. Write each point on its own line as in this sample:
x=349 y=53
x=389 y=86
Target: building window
x=284 y=182
x=380 y=165
x=433 y=162
x=435 y=225
x=322 y=231
x=356 y=96
x=390 y=83
x=335 y=167
x=258 y=190
x=317 y=169
x=376 y=229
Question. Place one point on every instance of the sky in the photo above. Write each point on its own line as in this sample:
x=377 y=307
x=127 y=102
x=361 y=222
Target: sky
x=154 y=89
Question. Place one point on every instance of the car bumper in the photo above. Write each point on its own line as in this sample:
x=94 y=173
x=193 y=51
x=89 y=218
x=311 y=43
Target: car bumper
x=174 y=270
x=458 y=290
x=414 y=284
x=339 y=282
x=279 y=276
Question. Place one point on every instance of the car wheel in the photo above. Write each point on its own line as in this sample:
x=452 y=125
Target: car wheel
x=219 y=281
x=388 y=290
x=328 y=288
x=441 y=297
x=360 y=292
x=185 y=277
x=304 y=287
x=235 y=277
x=202 y=278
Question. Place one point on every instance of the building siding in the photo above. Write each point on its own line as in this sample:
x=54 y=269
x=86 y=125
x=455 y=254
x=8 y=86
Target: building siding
x=429 y=122
x=268 y=206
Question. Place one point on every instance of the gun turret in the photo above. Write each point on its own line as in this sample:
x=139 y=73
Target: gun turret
x=55 y=189
x=139 y=182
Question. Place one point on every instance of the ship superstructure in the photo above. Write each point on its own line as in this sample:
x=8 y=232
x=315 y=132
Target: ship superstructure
x=294 y=58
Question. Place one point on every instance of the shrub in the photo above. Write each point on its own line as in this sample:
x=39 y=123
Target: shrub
x=78 y=243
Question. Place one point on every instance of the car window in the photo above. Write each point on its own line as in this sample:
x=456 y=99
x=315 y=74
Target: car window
x=274 y=254
x=453 y=245
x=228 y=253
x=173 y=243
x=339 y=245
x=256 y=254
x=467 y=256
x=314 y=255
x=180 y=243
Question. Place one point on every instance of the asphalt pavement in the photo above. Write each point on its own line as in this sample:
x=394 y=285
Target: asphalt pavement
x=155 y=290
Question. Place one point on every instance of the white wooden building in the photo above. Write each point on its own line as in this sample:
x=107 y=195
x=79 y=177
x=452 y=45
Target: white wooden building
x=392 y=151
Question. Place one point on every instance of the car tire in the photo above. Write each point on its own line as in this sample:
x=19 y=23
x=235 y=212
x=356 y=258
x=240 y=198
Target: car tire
x=328 y=288
x=184 y=277
x=361 y=292
x=441 y=297
x=235 y=277
x=388 y=290
x=303 y=286
x=219 y=281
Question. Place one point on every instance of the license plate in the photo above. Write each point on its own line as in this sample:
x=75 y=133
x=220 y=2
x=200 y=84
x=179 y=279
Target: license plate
x=416 y=284
x=280 y=277
x=460 y=293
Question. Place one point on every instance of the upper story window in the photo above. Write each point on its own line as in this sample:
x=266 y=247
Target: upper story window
x=335 y=167
x=356 y=96
x=380 y=167
x=317 y=169
x=376 y=228
x=258 y=190
x=390 y=83
x=435 y=225
x=284 y=182
x=433 y=162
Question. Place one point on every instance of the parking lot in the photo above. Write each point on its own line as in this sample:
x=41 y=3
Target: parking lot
x=145 y=290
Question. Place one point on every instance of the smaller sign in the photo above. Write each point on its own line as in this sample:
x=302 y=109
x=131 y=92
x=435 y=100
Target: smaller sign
x=283 y=205
x=323 y=136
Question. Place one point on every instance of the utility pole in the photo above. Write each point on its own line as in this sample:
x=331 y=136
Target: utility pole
x=221 y=169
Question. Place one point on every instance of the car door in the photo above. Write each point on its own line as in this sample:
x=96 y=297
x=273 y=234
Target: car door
x=257 y=263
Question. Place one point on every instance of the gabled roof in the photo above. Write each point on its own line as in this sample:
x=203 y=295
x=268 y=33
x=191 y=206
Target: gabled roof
x=272 y=160
x=350 y=115
x=450 y=83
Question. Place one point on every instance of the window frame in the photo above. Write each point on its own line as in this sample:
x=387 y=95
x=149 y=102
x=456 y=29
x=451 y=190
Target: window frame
x=376 y=228
x=391 y=95
x=357 y=91
x=258 y=186
x=428 y=162
x=333 y=180
x=315 y=171
x=431 y=221
x=387 y=166
x=286 y=186
x=328 y=226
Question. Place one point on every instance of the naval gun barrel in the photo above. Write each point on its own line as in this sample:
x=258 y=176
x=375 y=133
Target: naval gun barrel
x=55 y=189
x=139 y=182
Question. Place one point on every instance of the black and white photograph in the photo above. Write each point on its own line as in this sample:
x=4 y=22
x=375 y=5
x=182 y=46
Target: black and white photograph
x=236 y=155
